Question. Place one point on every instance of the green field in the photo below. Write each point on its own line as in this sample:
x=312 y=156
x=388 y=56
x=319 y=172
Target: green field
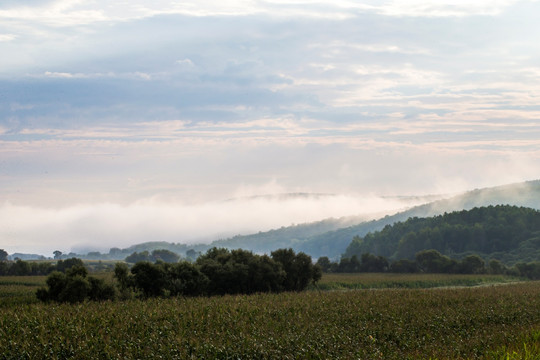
x=488 y=322
x=406 y=281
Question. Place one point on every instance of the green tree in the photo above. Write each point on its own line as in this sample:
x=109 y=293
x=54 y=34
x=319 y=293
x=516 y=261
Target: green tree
x=403 y=266
x=372 y=263
x=299 y=269
x=165 y=256
x=432 y=261
x=3 y=255
x=137 y=257
x=74 y=286
x=472 y=264
x=324 y=263
x=186 y=279
x=496 y=267
x=149 y=278
x=64 y=265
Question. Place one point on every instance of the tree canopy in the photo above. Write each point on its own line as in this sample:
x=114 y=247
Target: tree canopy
x=508 y=233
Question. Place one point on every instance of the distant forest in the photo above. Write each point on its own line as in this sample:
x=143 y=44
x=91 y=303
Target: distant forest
x=507 y=233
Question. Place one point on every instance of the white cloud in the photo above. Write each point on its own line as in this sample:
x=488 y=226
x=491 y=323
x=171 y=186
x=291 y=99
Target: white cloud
x=64 y=13
x=7 y=37
x=105 y=225
x=458 y=8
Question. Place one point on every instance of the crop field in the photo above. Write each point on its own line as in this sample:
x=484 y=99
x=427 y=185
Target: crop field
x=17 y=290
x=489 y=322
x=407 y=281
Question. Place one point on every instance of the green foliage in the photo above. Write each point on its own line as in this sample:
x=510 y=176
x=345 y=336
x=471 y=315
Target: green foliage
x=149 y=278
x=470 y=323
x=299 y=269
x=64 y=265
x=3 y=255
x=403 y=266
x=220 y=271
x=75 y=286
x=432 y=261
x=137 y=257
x=165 y=256
x=358 y=281
x=530 y=270
x=186 y=279
x=503 y=232
x=156 y=255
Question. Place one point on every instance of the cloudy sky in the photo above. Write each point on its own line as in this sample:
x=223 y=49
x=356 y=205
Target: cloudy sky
x=122 y=122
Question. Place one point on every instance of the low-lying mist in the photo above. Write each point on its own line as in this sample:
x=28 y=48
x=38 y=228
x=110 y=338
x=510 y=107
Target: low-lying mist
x=104 y=225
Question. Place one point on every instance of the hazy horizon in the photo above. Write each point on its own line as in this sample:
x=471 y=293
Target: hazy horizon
x=127 y=121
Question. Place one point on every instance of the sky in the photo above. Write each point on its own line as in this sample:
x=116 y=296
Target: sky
x=123 y=122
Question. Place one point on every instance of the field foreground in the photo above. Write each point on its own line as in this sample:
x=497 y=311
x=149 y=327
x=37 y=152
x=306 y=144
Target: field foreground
x=493 y=322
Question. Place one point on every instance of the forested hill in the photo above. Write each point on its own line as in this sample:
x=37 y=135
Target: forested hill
x=331 y=237
x=503 y=232
x=334 y=243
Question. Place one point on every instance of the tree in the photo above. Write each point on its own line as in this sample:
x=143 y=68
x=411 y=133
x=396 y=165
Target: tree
x=192 y=254
x=372 y=263
x=496 y=267
x=432 y=261
x=3 y=255
x=137 y=257
x=403 y=266
x=186 y=279
x=20 y=268
x=472 y=264
x=64 y=265
x=324 y=263
x=75 y=286
x=57 y=254
x=165 y=256
x=299 y=269
x=149 y=278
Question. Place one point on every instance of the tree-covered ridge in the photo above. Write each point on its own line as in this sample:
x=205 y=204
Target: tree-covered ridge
x=507 y=233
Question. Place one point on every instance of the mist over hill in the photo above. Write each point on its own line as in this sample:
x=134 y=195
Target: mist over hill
x=330 y=237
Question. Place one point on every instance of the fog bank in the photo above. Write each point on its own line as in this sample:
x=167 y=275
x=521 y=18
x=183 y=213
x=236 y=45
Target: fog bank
x=104 y=225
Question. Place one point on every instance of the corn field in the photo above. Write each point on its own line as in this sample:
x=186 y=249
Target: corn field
x=491 y=322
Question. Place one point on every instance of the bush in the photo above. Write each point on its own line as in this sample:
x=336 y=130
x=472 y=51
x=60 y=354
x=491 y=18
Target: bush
x=75 y=286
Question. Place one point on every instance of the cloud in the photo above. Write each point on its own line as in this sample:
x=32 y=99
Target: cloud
x=106 y=103
x=105 y=225
x=7 y=37
x=454 y=8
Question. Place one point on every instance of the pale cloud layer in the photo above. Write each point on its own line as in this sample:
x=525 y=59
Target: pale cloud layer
x=102 y=225
x=103 y=104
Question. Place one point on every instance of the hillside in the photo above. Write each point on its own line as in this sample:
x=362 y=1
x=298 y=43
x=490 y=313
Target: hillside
x=503 y=232
x=330 y=237
x=334 y=243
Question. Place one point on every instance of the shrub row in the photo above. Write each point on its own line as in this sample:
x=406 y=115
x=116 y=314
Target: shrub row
x=428 y=261
x=218 y=272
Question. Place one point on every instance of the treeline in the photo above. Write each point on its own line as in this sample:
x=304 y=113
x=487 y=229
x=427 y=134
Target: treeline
x=428 y=261
x=508 y=233
x=156 y=255
x=26 y=268
x=217 y=272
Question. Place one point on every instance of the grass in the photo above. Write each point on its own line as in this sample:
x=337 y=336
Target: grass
x=491 y=322
x=16 y=290
x=407 y=281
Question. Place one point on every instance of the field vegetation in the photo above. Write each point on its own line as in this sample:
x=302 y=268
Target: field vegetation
x=340 y=281
x=488 y=322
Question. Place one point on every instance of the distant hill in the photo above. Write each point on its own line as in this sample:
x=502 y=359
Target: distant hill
x=503 y=232
x=333 y=242
x=331 y=237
